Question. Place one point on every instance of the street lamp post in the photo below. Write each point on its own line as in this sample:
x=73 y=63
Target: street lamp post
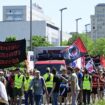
x=77 y=24
x=86 y=25
x=30 y=25
x=61 y=10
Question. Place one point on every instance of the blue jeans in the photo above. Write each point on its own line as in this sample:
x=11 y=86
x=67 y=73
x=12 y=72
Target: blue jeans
x=55 y=98
x=38 y=99
x=28 y=94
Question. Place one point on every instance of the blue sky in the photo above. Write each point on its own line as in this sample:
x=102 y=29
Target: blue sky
x=76 y=9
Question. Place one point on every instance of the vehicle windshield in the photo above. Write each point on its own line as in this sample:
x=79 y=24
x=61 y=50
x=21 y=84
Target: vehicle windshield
x=42 y=67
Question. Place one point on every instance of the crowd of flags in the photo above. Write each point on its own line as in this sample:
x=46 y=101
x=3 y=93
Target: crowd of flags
x=77 y=56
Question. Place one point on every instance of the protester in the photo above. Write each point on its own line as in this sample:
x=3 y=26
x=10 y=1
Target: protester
x=74 y=86
x=10 y=86
x=56 y=85
x=69 y=85
x=87 y=87
x=95 y=86
x=80 y=76
x=38 y=85
x=63 y=87
x=48 y=77
x=101 y=84
x=3 y=95
x=18 y=86
x=2 y=77
x=28 y=91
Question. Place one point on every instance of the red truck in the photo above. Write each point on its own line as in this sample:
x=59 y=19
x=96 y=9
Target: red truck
x=49 y=57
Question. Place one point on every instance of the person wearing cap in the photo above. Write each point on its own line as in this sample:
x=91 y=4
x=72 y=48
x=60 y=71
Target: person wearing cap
x=48 y=77
x=63 y=86
x=80 y=76
x=74 y=86
x=38 y=85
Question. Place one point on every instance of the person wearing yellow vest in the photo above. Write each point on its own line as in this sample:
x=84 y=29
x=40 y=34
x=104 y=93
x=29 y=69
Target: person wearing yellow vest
x=28 y=91
x=87 y=87
x=18 y=86
x=48 y=77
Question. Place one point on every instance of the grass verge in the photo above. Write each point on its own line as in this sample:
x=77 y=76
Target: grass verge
x=100 y=102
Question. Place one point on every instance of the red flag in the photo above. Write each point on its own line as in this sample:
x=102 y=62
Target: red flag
x=78 y=42
x=74 y=51
x=80 y=45
x=102 y=60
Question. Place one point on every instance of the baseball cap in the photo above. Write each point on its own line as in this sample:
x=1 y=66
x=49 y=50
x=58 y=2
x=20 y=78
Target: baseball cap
x=1 y=72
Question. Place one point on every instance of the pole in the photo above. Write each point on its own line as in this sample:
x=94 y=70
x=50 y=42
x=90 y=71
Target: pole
x=86 y=32
x=61 y=30
x=61 y=10
x=30 y=25
x=77 y=24
x=86 y=25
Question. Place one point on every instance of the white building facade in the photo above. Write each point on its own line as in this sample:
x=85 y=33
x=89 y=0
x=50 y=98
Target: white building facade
x=98 y=22
x=16 y=22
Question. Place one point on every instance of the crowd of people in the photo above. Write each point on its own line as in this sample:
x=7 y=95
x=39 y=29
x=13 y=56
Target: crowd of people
x=70 y=86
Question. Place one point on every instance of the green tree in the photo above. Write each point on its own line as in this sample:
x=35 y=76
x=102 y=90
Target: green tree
x=100 y=46
x=10 y=38
x=71 y=40
x=40 y=41
x=88 y=42
x=93 y=47
x=65 y=43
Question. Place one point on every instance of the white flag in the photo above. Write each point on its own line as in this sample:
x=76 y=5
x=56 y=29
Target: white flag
x=89 y=66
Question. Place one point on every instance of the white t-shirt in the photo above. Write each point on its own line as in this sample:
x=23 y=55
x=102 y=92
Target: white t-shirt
x=75 y=79
x=3 y=93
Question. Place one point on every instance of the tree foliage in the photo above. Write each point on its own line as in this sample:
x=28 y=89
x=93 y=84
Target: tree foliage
x=100 y=46
x=96 y=47
x=65 y=43
x=71 y=40
x=40 y=41
x=93 y=47
x=10 y=38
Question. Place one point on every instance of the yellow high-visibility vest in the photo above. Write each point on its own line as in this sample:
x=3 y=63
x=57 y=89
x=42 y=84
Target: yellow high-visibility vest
x=27 y=83
x=86 y=83
x=18 y=81
x=50 y=82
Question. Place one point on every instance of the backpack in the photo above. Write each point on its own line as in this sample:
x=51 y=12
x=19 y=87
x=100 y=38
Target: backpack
x=42 y=81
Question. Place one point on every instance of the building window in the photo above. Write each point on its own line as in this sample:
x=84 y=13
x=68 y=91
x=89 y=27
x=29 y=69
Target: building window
x=14 y=15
